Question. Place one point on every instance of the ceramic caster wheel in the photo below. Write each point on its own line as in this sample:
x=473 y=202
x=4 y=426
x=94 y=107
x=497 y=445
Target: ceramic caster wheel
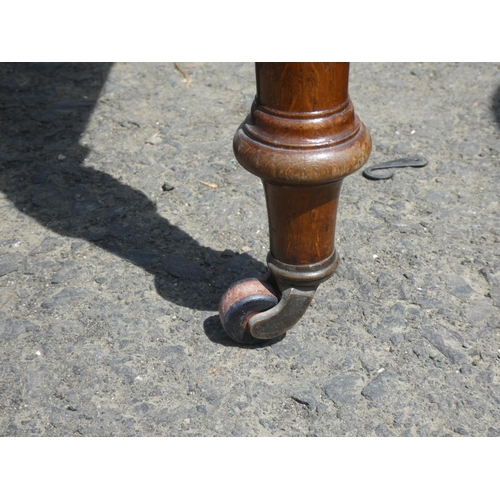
x=245 y=299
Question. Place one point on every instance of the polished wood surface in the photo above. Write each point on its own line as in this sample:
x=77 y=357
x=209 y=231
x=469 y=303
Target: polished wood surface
x=302 y=87
x=301 y=221
x=302 y=128
x=302 y=138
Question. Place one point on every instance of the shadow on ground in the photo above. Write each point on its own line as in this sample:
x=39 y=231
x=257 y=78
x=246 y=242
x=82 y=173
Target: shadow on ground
x=44 y=110
x=216 y=334
x=495 y=105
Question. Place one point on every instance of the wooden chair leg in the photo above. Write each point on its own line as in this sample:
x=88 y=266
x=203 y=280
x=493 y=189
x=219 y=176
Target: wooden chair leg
x=301 y=138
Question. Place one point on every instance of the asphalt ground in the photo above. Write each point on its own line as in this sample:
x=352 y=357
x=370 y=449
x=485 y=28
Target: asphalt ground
x=125 y=217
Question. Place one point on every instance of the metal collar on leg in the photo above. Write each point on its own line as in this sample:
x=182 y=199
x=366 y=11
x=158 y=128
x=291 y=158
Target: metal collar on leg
x=305 y=275
x=297 y=284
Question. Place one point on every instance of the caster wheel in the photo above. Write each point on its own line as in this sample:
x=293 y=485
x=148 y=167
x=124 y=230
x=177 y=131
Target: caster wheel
x=245 y=299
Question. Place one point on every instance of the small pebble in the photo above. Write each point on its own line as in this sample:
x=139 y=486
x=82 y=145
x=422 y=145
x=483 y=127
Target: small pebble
x=154 y=141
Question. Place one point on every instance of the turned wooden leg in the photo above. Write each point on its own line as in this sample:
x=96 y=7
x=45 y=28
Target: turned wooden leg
x=301 y=138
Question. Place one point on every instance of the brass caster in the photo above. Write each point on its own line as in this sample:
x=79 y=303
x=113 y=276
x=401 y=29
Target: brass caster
x=242 y=301
x=275 y=322
x=252 y=311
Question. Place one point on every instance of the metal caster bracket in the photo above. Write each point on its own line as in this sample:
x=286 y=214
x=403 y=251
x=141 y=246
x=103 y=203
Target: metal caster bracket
x=275 y=322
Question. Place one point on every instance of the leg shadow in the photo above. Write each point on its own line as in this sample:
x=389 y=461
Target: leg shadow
x=44 y=110
x=216 y=334
x=495 y=105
